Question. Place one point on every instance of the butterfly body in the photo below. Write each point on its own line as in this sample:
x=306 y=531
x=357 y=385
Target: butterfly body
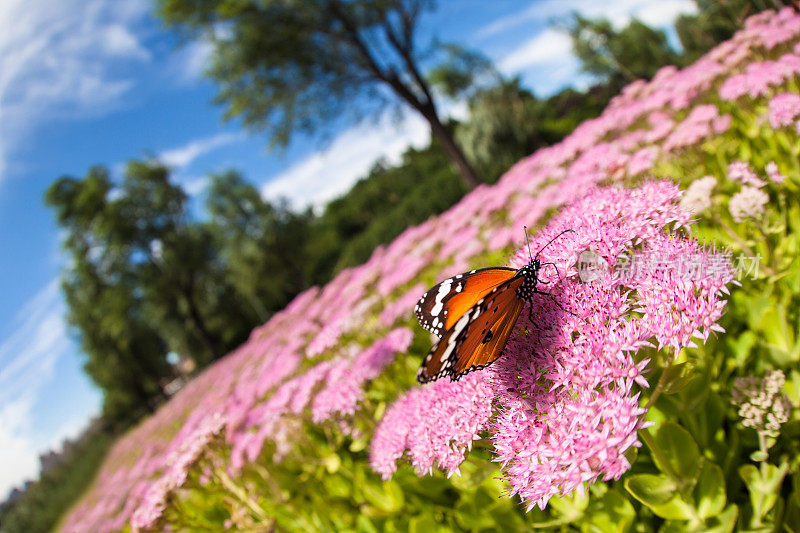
x=474 y=313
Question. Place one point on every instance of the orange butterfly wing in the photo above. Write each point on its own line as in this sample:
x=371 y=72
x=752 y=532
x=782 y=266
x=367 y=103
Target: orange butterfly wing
x=445 y=303
x=478 y=337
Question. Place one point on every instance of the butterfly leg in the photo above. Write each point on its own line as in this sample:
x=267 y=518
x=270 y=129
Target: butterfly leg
x=534 y=323
x=558 y=273
x=554 y=301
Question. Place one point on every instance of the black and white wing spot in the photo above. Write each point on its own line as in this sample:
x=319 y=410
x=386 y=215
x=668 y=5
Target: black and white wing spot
x=433 y=309
x=441 y=360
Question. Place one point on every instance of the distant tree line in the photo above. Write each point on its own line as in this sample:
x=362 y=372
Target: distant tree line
x=148 y=281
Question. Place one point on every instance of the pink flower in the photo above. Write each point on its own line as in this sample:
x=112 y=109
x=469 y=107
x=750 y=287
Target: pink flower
x=642 y=160
x=721 y=124
x=564 y=386
x=346 y=378
x=783 y=109
x=774 y=173
x=741 y=172
x=433 y=425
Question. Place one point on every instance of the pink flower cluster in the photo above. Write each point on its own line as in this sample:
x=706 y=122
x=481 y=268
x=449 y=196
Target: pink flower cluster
x=433 y=425
x=701 y=122
x=741 y=172
x=564 y=388
x=758 y=78
x=784 y=109
x=178 y=463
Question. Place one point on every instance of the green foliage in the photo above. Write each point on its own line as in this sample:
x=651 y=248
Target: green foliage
x=636 y=51
x=125 y=356
x=142 y=281
x=507 y=122
x=379 y=207
x=42 y=504
x=258 y=244
x=460 y=71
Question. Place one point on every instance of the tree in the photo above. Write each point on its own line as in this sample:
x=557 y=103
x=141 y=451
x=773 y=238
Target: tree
x=634 y=52
x=143 y=280
x=171 y=261
x=501 y=129
x=507 y=122
x=126 y=357
x=262 y=245
x=294 y=66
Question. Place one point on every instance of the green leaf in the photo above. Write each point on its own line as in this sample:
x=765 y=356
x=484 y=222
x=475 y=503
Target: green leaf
x=677 y=376
x=792 y=516
x=332 y=463
x=679 y=456
x=424 y=524
x=679 y=526
x=611 y=513
x=570 y=507
x=751 y=477
x=387 y=497
x=724 y=522
x=763 y=485
x=660 y=495
x=651 y=489
x=471 y=510
x=365 y=525
x=759 y=456
x=742 y=346
x=694 y=393
x=709 y=493
x=778 y=335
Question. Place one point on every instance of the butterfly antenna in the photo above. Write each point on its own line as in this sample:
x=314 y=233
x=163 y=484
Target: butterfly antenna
x=525 y=229
x=549 y=243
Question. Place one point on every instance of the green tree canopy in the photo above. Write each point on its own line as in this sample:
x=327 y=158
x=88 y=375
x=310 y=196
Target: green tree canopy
x=142 y=280
x=296 y=66
x=125 y=355
x=636 y=51
x=261 y=244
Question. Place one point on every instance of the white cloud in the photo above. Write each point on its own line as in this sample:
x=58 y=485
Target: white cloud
x=192 y=59
x=547 y=47
x=195 y=186
x=183 y=156
x=653 y=12
x=332 y=171
x=547 y=57
x=664 y=12
x=27 y=361
x=63 y=58
x=17 y=463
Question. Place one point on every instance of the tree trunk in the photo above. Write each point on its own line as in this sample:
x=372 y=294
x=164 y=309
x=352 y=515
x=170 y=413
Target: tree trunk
x=194 y=316
x=468 y=175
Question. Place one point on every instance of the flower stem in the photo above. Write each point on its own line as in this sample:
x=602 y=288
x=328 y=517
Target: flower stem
x=659 y=387
x=742 y=244
x=240 y=494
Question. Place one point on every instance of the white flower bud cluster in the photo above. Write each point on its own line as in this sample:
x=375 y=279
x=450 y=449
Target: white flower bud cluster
x=761 y=404
x=697 y=197
x=748 y=203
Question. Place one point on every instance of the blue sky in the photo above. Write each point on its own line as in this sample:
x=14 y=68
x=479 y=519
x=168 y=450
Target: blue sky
x=85 y=82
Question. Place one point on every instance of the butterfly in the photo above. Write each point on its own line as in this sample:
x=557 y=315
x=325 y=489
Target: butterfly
x=474 y=313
